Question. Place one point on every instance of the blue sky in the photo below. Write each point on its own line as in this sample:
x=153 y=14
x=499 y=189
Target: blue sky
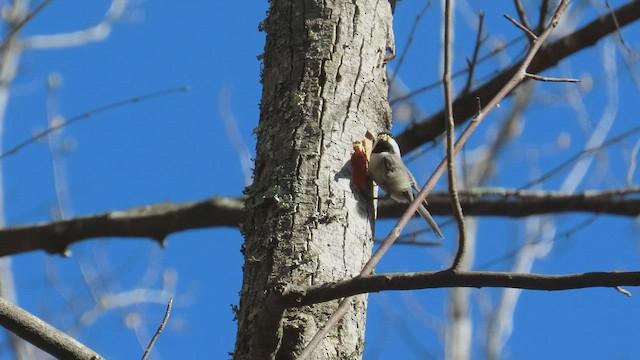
x=176 y=148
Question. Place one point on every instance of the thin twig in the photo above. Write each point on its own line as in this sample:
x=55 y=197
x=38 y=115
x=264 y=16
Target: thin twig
x=404 y=240
x=552 y=79
x=582 y=154
x=14 y=29
x=405 y=50
x=484 y=167
x=160 y=328
x=512 y=254
x=471 y=64
x=453 y=192
x=459 y=73
x=544 y=11
x=526 y=30
x=622 y=41
x=521 y=13
x=89 y=114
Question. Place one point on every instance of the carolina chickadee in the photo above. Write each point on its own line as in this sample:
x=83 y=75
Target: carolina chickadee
x=390 y=173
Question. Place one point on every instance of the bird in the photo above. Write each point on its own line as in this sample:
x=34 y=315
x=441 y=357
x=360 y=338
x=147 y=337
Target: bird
x=388 y=170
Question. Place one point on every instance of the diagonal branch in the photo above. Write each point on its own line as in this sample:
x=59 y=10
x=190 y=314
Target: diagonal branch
x=41 y=334
x=15 y=29
x=159 y=331
x=525 y=29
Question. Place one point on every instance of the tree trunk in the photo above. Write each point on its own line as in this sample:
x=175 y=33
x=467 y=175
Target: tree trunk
x=324 y=87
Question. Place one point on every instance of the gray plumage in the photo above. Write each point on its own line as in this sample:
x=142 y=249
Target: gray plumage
x=388 y=170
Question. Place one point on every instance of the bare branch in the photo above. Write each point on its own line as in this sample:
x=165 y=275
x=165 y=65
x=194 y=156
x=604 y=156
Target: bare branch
x=551 y=79
x=154 y=222
x=526 y=30
x=471 y=64
x=296 y=296
x=412 y=32
x=41 y=334
x=521 y=13
x=160 y=328
x=89 y=114
x=15 y=29
x=544 y=11
x=496 y=50
x=520 y=203
x=589 y=151
x=622 y=41
x=451 y=176
x=157 y=221
x=464 y=107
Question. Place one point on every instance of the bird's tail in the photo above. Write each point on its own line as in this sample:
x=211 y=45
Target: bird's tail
x=432 y=223
x=422 y=210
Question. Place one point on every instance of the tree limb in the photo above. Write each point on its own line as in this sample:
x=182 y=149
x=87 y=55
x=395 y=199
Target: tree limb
x=295 y=296
x=41 y=334
x=157 y=221
x=152 y=221
x=520 y=203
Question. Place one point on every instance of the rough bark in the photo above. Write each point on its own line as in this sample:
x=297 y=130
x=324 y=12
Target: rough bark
x=324 y=87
